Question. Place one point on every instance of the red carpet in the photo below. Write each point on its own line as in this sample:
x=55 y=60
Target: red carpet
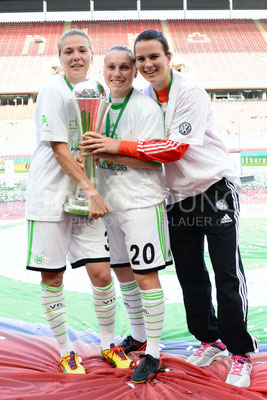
x=28 y=370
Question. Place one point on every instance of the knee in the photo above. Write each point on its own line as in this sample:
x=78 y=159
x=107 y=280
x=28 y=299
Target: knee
x=143 y=283
x=148 y=281
x=124 y=274
x=53 y=280
x=102 y=279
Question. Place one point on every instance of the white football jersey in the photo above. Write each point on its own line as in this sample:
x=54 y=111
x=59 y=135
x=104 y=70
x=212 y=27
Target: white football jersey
x=57 y=120
x=189 y=120
x=122 y=187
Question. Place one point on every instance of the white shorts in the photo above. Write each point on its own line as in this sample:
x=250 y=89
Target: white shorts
x=139 y=238
x=84 y=240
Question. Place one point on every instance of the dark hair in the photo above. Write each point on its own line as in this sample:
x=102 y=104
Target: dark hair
x=150 y=34
x=71 y=33
x=122 y=48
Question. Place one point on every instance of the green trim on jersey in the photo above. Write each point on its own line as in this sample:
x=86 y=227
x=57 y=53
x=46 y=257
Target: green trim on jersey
x=120 y=107
x=161 y=231
x=30 y=238
x=68 y=83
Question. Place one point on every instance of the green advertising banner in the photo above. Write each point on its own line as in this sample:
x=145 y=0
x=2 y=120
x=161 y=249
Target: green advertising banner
x=254 y=159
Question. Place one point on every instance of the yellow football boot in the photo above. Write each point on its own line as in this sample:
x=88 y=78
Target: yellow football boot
x=116 y=357
x=70 y=364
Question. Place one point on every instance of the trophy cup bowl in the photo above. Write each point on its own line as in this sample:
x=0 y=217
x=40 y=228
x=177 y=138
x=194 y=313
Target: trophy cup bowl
x=90 y=100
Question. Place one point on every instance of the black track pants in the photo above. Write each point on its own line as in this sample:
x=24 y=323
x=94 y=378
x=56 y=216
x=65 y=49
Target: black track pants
x=213 y=214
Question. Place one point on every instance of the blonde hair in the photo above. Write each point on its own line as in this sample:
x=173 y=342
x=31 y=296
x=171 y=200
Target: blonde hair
x=71 y=33
x=124 y=49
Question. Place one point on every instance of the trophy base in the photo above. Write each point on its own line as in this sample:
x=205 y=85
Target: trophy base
x=76 y=206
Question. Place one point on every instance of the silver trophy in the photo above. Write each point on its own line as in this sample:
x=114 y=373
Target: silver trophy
x=89 y=97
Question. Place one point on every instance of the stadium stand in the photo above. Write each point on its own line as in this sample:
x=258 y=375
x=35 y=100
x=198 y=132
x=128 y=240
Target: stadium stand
x=249 y=116
x=27 y=53
x=233 y=118
x=217 y=51
x=264 y=23
x=30 y=39
x=104 y=35
x=15 y=130
x=221 y=50
x=17 y=112
x=217 y=36
x=242 y=124
x=220 y=53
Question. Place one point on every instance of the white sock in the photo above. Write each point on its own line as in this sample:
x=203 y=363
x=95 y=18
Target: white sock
x=104 y=299
x=153 y=305
x=133 y=303
x=54 y=306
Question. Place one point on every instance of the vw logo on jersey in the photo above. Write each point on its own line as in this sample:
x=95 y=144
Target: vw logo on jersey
x=222 y=205
x=185 y=128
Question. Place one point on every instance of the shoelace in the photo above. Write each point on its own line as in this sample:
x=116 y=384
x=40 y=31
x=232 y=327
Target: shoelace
x=71 y=361
x=201 y=349
x=238 y=365
x=204 y=347
x=118 y=351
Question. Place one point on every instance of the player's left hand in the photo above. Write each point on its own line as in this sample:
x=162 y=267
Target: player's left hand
x=94 y=143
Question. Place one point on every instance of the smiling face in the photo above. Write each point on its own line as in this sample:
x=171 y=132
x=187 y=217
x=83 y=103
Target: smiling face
x=119 y=73
x=153 y=63
x=75 y=57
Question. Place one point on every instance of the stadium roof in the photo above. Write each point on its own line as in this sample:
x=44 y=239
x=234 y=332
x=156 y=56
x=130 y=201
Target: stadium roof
x=131 y=15
x=69 y=10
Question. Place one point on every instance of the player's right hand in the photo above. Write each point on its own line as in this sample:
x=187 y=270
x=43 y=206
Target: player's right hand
x=97 y=206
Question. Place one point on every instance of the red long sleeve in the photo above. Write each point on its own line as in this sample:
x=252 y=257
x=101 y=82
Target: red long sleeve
x=155 y=150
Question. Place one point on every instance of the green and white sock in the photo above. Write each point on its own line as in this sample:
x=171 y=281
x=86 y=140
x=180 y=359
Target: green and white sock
x=54 y=306
x=153 y=305
x=104 y=300
x=133 y=302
